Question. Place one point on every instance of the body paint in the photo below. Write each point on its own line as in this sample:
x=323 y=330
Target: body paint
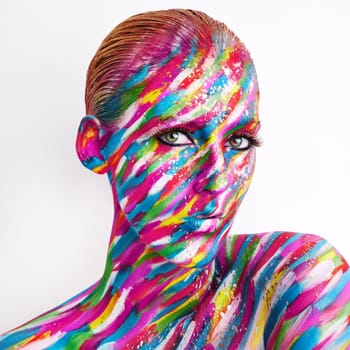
x=174 y=278
x=282 y=289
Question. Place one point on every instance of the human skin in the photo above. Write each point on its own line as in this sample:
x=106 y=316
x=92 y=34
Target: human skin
x=180 y=159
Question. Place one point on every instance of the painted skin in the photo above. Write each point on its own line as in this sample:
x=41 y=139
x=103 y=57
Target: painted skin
x=180 y=160
x=184 y=171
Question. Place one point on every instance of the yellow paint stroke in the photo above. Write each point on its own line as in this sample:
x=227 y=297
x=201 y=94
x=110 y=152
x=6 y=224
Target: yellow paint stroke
x=179 y=279
x=176 y=219
x=90 y=134
x=329 y=255
x=106 y=313
x=151 y=96
x=221 y=301
x=264 y=312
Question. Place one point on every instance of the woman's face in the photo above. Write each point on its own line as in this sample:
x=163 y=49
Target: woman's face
x=183 y=154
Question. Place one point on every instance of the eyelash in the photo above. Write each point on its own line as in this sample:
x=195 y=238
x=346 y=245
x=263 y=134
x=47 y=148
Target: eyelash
x=255 y=140
x=160 y=132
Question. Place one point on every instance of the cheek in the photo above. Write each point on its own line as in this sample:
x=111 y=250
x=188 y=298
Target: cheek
x=240 y=169
x=155 y=184
x=240 y=172
x=150 y=177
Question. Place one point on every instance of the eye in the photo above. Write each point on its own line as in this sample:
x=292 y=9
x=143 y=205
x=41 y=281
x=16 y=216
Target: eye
x=175 y=138
x=239 y=143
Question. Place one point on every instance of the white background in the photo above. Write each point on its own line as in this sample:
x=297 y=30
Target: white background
x=55 y=216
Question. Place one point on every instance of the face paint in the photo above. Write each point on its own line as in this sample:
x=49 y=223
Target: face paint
x=180 y=158
x=183 y=154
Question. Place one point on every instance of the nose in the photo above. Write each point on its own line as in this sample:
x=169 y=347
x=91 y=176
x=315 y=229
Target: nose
x=213 y=177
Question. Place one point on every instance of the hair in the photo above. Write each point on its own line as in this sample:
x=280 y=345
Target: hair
x=134 y=49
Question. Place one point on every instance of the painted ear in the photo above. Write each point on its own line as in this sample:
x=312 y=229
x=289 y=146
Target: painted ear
x=88 y=145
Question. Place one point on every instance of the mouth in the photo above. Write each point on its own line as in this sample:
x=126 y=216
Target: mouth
x=203 y=222
x=212 y=216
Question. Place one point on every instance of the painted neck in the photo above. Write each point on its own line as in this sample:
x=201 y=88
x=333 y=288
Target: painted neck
x=160 y=291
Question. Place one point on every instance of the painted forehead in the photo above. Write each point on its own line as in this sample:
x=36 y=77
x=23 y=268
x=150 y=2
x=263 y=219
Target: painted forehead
x=199 y=85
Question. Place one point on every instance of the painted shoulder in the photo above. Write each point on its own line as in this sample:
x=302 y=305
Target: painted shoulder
x=44 y=331
x=293 y=288
x=279 y=249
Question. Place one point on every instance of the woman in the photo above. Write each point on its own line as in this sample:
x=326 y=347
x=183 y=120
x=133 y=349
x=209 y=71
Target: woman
x=172 y=119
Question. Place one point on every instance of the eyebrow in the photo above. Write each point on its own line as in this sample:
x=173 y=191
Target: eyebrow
x=241 y=118
x=253 y=127
x=192 y=126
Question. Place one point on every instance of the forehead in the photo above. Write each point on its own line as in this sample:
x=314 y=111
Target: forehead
x=199 y=86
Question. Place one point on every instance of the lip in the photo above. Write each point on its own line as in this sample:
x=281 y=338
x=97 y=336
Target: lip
x=194 y=222
x=212 y=216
